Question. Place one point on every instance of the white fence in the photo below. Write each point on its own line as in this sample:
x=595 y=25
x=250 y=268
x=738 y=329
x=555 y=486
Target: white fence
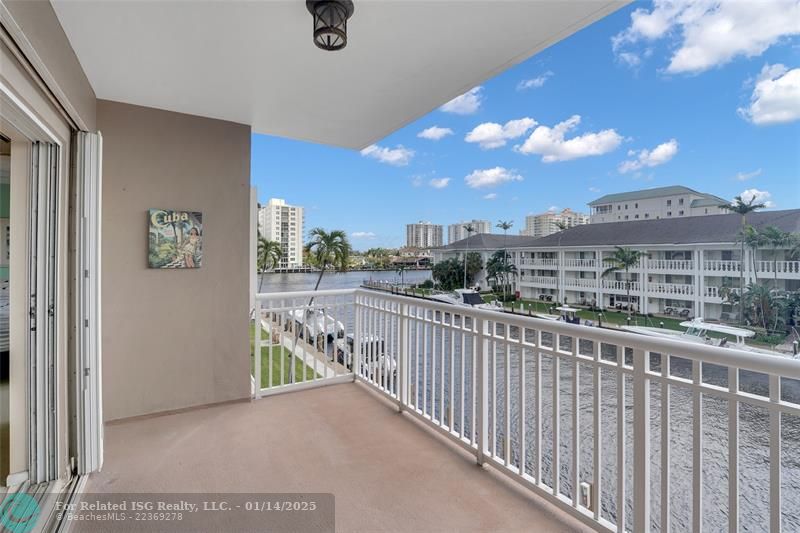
x=643 y=449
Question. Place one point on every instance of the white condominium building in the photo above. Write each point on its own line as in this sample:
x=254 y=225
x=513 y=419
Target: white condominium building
x=283 y=223
x=662 y=202
x=424 y=235
x=686 y=264
x=456 y=232
x=548 y=222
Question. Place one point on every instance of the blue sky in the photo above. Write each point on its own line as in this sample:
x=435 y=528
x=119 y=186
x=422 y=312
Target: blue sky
x=662 y=100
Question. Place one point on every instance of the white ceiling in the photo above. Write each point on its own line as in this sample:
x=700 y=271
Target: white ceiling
x=254 y=62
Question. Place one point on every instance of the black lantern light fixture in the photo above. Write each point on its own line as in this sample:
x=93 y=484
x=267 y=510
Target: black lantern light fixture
x=330 y=22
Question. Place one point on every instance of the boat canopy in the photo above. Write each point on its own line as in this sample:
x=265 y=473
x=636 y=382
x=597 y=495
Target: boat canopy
x=698 y=323
x=567 y=309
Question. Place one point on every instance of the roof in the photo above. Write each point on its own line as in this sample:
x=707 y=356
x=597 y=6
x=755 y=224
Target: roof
x=709 y=201
x=489 y=241
x=255 y=62
x=681 y=230
x=650 y=193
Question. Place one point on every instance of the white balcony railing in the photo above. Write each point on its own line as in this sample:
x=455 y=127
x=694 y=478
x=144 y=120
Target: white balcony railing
x=579 y=263
x=539 y=281
x=723 y=268
x=541 y=263
x=674 y=289
x=782 y=268
x=581 y=283
x=669 y=435
x=618 y=285
x=672 y=265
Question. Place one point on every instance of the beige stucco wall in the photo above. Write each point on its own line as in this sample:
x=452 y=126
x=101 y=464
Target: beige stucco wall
x=41 y=28
x=173 y=338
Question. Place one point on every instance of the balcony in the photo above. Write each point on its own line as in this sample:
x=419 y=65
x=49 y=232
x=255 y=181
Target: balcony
x=779 y=269
x=721 y=268
x=671 y=289
x=538 y=281
x=551 y=264
x=580 y=283
x=669 y=435
x=620 y=286
x=580 y=264
x=670 y=265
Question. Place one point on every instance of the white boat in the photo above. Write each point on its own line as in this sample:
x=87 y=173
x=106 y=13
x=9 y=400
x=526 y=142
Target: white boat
x=467 y=298
x=374 y=359
x=315 y=322
x=566 y=314
x=696 y=332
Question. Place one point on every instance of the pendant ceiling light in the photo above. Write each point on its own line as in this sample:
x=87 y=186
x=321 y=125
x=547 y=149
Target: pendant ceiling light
x=330 y=22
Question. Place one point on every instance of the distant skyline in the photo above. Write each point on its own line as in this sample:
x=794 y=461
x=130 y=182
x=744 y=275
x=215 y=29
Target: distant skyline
x=647 y=97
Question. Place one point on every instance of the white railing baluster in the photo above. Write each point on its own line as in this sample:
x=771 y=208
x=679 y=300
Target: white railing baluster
x=521 y=422
x=576 y=430
x=463 y=392
x=493 y=331
x=403 y=358
x=666 y=518
x=482 y=392
x=425 y=361
x=641 y=442
x=507 y=398
x=441 y=374
x=621 y=441
x=733 y=451
x=537 y=411
x=556 y=424
x=596 y=430
x=774 y=454
x=257 y=348
x=451 y=380
x=697 y=448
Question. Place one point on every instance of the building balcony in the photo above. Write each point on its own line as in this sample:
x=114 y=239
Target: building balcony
x=779 y=269
x=497 y=389
x=670 y=265
x=671 y=289
x=580 y=283
x=538 y=281
x=721 y=268
x=620 y=286
x=540 y=263
x=580 y=264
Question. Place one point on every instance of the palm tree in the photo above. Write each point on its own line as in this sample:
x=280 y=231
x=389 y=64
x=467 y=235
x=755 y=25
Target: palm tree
x=401 y=270
x=469 y=228
x=739 y=206
x=268 y=256
x=561 y=225
x=623 y=259
x=776 y=238
x=505 y=225
x=327 y=249
x=754 y=240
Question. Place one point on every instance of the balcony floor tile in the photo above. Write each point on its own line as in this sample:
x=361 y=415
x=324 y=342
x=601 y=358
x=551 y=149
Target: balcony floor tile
x=387 y=471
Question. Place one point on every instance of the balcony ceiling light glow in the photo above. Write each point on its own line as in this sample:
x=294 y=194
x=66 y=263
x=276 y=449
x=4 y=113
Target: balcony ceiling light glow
x=330 y=22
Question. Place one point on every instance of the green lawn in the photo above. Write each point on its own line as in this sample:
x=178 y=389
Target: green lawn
x=278 y=353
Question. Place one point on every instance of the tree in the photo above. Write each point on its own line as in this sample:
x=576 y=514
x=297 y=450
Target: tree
x=268 y=256
x=740 y=207
x=500 y=269
x=623 y=259
x=448 y=273
x=401 y=271
x=754 y=240
x=505 y=225
x=469 y=228
x=775 y=238
x=327 y=249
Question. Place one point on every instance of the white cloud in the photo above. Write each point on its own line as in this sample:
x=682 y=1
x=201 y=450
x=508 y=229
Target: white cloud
x=775 y=98
x=594 y=189
x=490 y=196
x=362 y=235
x=534 y=83
x=434 y=133
x=551 y=145
x=552 y=209
x=650 y=158
x=710 y=33
x=398 y=156
x=439 y=183
x=416 y=181
x=757 y=197
x=491 y=177
x=744 y=176
x=493 y=135
x=466 y=104
x=630 y=59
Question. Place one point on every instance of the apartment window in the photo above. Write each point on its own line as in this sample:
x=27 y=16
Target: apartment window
x=669 y=213
x=680 y=213
x=706 y=211
x=669 y=202
x=626 y=206
x=680 y=201
x=636 y=216
x=618 y=217
x=647 y=215
x=626 y=217
x=636 y=205
x=619 y=207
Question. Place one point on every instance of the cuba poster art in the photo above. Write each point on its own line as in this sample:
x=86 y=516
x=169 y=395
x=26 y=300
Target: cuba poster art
x=176 y=238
